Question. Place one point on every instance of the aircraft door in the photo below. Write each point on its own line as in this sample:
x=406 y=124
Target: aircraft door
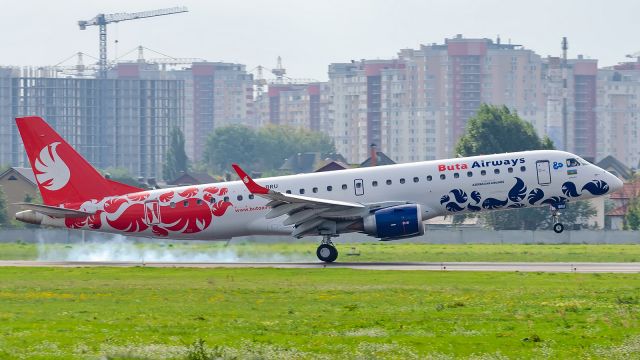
x=152 y=212
x=544 y=172
x=358 y=186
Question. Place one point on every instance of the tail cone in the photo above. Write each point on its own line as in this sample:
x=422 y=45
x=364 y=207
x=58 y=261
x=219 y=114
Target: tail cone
x=29 y=217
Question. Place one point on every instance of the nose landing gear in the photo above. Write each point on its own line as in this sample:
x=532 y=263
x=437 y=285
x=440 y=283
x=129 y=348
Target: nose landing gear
x=558 y=227
x=327 y=252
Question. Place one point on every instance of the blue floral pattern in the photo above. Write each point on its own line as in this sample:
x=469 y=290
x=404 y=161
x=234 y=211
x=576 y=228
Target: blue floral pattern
x=456 y=200
x=596 y=187
x=535 y=195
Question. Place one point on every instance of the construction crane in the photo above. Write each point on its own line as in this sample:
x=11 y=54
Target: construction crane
x=101 y=20
x=279 y=71
x=260 y=82
x=635 y=55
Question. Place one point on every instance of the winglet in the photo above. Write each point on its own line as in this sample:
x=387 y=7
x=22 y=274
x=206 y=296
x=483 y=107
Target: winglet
x=248 y=182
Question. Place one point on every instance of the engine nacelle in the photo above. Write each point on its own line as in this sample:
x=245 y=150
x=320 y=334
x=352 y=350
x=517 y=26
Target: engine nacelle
x=395 y=222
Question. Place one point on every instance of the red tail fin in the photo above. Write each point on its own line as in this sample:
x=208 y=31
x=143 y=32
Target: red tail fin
x=62 y=174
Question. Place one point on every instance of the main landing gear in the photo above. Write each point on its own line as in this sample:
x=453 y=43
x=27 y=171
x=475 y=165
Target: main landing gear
x=558 y=227
x=327 y=252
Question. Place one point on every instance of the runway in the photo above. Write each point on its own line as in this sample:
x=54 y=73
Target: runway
x=447 y=266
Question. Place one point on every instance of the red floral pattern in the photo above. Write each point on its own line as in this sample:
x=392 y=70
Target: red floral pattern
x=191 y=211
x=142 y=196
x=190 y=192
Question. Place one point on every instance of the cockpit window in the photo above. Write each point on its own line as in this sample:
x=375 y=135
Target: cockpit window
x=572 y=163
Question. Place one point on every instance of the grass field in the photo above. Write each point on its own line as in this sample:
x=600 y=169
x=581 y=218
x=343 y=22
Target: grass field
x=153 y=313
x=306 y=252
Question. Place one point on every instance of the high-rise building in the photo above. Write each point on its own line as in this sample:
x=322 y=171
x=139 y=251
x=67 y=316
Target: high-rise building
x=222 y=95
x=462 y=73
x=367 y=106
x=298 y=105
x=122 y=121
x=618 y=113
x=416 y=107
x=582 y=129
x=570 y=94
x=8 y=131
x=215 y=94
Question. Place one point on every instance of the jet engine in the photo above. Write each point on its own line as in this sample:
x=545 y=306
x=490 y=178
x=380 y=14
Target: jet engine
x=395 y=222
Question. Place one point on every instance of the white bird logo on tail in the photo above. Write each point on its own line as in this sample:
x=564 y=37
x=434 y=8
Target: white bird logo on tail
x=52 y=173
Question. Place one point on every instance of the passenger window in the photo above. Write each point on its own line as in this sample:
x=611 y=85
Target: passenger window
x=496 y=171
x=288 y=191
x=483 y=172
x=469 y=173
x=251 y=196
x=442 y=177
x=185 y=203
x=429 y=177
x=173 y=205
x=344 y=186
x=374 y=183
x=523 y=168
x=456 y=175
x=226 y=199
x=301 y=191
x=416 y=179
x=329 y=188
x=510 y=170
x=402 y=181
x=199 y=202
x=239 y=198
x=211 y=200
x=572 y=163
x=388 y=182
x=315 y=189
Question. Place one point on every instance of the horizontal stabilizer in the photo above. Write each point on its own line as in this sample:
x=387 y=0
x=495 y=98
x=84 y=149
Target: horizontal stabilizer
x=54 y=211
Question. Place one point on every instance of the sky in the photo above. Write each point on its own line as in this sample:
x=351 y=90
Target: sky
x=309 y=35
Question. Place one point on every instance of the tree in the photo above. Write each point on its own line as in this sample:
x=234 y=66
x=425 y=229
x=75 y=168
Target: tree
x=4 y=216
x=632 y=219
x=497 y=130
x=176 y=160
x=264 y=149
x=121 y=175
x=276 y=143
x=230 y=144
x=494 y=130
x=576 y=213
x=33 y=199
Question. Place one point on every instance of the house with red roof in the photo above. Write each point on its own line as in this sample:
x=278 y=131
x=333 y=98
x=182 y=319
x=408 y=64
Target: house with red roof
x=621 y=200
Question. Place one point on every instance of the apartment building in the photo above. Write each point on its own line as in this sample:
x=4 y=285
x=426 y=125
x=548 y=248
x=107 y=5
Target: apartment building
x=122 y=121
x=571 y=87
x=618 y=113
x=216 y=94
x=301 y=105
x=416 y=107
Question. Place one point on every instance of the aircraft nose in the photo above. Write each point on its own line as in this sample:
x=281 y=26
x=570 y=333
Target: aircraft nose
x=615 y=183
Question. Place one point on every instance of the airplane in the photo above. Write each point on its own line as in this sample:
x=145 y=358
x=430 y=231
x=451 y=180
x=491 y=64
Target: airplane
x=386 y=202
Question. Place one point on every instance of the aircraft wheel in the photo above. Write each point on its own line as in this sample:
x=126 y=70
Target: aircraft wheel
x=327 y=253
x=558 y=228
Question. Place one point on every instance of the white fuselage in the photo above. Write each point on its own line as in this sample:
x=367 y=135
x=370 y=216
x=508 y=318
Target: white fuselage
x=441 y=187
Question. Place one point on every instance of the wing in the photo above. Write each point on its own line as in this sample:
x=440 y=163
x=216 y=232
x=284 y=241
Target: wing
x=310 y=215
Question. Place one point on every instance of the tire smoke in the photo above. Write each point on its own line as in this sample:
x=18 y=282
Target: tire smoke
x=123 y=249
